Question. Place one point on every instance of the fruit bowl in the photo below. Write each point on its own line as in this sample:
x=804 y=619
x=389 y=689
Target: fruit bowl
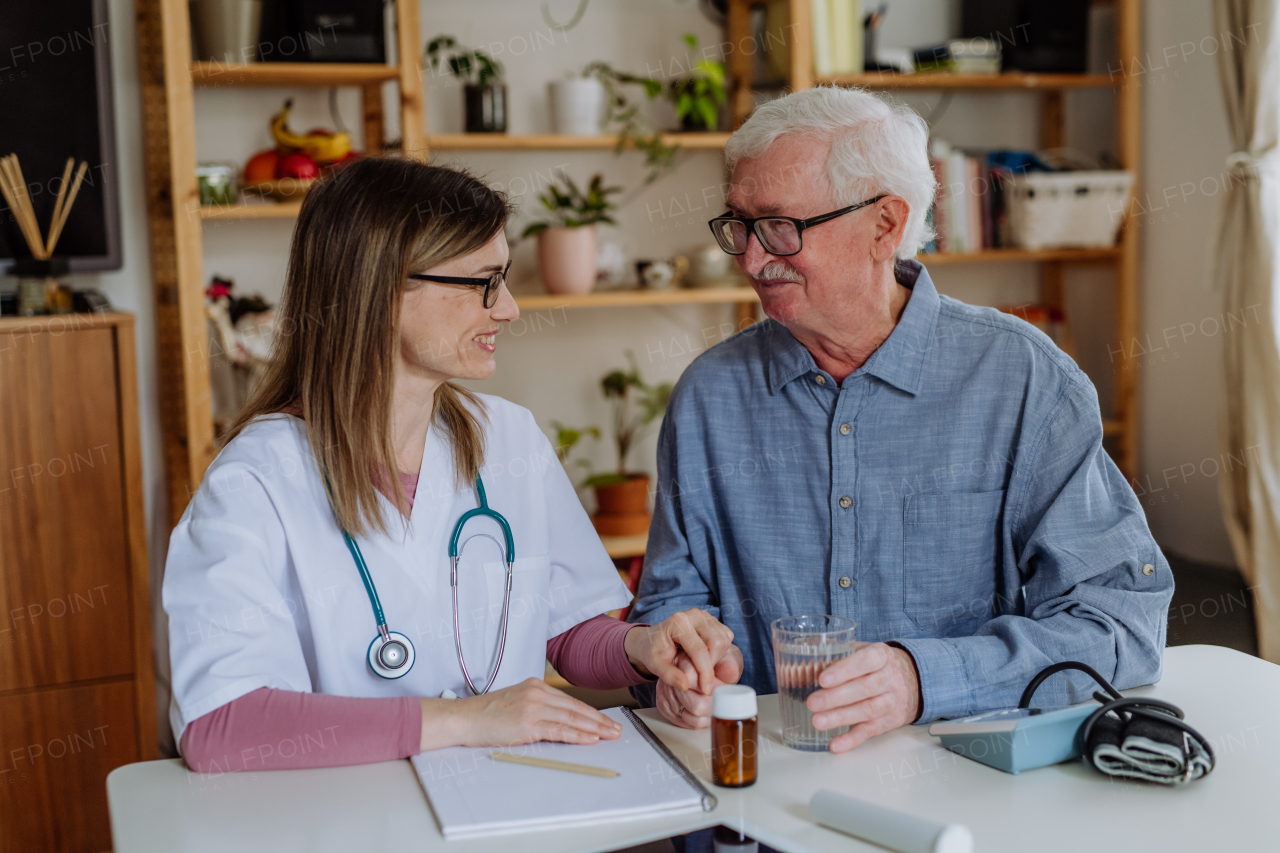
x=281 y=189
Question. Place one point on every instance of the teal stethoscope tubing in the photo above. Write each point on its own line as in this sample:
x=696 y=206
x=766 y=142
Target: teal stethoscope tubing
x=482 y=511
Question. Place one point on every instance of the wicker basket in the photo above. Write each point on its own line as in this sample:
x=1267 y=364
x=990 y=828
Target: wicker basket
x=1055 y=210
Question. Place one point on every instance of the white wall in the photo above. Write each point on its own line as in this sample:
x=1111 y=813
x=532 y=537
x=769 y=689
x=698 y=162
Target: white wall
x=552 y=363
x=1185 y=143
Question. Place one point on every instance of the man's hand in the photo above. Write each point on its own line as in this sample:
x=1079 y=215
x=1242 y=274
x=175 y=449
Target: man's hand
x=691 y=709
x=873 y=690
x=695 y=635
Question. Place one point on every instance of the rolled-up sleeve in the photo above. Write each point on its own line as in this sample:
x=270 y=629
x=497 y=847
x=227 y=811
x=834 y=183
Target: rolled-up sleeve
x=1095 y=587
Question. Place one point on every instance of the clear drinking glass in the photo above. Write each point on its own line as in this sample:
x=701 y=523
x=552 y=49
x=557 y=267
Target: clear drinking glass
x=803 y=646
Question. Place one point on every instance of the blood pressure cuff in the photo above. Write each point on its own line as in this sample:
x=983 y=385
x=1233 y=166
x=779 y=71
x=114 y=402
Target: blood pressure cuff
x=1147 y=748
x=1134 y=737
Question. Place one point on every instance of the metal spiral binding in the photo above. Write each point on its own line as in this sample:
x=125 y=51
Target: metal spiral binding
x=709 y=800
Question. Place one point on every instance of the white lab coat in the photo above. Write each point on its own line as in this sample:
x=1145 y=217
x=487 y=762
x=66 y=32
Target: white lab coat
x=261 y=590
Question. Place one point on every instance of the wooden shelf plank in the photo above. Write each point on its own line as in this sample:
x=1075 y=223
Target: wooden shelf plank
x=549 y=141
x=1007 y=80
x=623 y=298
x=291 y=73
x=998 y=255
x=274 y=210
x=622 y=547
x=1112 y=426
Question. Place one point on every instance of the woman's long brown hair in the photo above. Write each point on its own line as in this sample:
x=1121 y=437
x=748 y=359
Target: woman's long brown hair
x=360 y=232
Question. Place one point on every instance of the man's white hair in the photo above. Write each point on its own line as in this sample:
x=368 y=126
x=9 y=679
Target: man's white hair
x=876 y=147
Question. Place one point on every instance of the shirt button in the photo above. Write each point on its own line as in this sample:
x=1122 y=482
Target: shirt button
x=845 y=583
x=820 y=379
x=845 y=429
x=1148 y=569
x=845 y=502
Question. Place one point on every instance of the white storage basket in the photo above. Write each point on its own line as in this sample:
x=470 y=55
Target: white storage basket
x=1056 y=210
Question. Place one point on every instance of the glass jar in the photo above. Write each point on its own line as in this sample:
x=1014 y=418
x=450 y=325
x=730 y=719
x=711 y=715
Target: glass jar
x=44 y=287
x=217 y=184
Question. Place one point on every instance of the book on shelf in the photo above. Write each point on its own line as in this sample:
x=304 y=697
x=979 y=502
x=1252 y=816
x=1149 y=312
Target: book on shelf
x=837 y=36
x=969 y=213
x=960 y=56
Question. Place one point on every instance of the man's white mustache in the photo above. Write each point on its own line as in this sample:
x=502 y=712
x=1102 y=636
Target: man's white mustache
x=777 y=271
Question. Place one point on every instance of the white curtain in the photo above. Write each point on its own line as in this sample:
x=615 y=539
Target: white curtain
x=1247 y=269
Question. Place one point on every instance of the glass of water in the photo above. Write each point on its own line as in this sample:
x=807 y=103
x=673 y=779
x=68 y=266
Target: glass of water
x=803 y=646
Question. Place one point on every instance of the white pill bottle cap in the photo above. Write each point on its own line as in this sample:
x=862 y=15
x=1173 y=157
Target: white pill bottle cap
x=733 y=702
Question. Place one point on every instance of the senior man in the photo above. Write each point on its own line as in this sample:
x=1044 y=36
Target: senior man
x=930 y=469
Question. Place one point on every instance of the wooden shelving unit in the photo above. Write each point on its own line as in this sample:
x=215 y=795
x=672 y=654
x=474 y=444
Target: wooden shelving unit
x=169 y=79
x=1122 y=426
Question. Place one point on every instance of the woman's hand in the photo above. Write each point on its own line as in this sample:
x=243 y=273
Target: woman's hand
x=694 y=634
x=691 y=709
x=522 y=713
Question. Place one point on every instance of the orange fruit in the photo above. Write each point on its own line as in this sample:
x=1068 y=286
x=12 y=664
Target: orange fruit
x=261 y=167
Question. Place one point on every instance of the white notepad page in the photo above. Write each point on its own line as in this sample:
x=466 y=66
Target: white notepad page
x=473 y=795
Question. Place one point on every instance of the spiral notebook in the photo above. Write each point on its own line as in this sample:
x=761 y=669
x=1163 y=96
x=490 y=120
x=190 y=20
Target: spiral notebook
x=473 y=795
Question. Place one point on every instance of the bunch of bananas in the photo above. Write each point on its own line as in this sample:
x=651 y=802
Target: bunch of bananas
x=325 y=148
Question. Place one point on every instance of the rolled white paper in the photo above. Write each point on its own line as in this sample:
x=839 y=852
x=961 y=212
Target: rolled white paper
x=888 y=828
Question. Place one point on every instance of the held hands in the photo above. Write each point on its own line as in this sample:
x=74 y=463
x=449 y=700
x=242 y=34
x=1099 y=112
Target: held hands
x=522 y=713
x=691 y=709
x=691 y=654
x=873 y=690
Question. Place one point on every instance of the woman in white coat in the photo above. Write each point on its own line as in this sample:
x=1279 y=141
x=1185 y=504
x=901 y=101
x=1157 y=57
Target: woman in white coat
x=280 y=657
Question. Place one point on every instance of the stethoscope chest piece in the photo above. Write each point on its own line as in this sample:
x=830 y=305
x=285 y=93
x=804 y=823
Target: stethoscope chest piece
x=391 y=656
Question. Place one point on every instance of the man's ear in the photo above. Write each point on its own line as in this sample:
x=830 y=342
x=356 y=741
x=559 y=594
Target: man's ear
x=890 y=226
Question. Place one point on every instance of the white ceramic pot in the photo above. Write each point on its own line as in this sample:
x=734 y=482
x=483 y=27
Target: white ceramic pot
x=577 y=106
x=567 y=259
x=710 y=265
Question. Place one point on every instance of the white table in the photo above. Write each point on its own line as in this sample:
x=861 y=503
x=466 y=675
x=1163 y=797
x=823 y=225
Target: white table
x=1230 y=697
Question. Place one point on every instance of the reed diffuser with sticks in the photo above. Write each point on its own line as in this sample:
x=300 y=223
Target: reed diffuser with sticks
x=39 y=291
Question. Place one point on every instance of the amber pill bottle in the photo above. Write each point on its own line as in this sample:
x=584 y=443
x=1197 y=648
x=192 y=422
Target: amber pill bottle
x=733 y=736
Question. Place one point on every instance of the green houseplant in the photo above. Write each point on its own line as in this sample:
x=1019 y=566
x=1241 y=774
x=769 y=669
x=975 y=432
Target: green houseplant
x=567 y=240
x=567 y=438
x=697 y=98
x=484 y=93
x=622 y=496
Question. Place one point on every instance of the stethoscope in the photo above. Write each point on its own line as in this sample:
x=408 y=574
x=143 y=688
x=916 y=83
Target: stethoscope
x=390 y=653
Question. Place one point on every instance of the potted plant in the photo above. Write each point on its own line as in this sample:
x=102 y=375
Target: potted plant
x=567 y=244
x=484 y=93
x=567 y=438
x=699 y=96
x=625 y=118
x=622 y=496
x=697 y=99
x=576 y=105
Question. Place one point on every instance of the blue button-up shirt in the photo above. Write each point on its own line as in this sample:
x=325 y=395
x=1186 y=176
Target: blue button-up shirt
x=952 y=496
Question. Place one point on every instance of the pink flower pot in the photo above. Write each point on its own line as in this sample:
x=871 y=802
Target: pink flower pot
x=567 y=259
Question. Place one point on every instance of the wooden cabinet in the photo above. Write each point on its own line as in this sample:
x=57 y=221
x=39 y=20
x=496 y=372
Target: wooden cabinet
x=76 y=674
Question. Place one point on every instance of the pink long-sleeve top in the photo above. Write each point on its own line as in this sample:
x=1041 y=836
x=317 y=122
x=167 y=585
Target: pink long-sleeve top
x=268 y=729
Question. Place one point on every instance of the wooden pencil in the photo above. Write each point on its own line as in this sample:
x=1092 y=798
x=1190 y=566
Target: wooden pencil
x=553 y=765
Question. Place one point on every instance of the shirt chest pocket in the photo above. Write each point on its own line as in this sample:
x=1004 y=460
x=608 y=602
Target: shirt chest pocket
x=950 y=560
x=531 y=591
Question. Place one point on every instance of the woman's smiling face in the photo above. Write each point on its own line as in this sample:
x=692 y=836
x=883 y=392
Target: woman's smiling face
x=445 y=330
